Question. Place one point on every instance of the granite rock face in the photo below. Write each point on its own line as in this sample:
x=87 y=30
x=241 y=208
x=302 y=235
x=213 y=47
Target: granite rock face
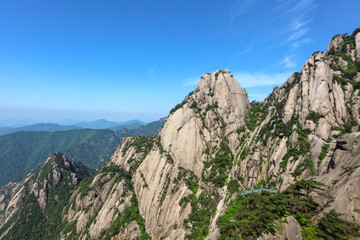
x=343 y=177
x=57 y=170
x=217 y=108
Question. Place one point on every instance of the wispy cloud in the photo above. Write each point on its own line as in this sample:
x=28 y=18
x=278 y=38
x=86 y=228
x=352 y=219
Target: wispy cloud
x=297 y=44
x=261 y=79
x=296 y=24
x=301 y=8
x=288 y=62
x=190 y=82
x=150 y=72
x=237 y=8
x=298 y=34
x=298 y=17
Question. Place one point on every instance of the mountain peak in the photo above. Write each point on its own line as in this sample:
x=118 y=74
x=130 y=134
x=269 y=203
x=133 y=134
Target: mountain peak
x=340 y=42
x=213 y=112
x=42 y=193
x=337 y=42
x=56 y=158
x=222 y=89
x=57 y=166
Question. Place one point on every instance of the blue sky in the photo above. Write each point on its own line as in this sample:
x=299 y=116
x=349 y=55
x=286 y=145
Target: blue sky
x=121 y=60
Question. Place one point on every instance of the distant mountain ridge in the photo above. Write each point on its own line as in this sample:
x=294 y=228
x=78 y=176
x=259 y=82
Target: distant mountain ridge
x=130 y=126
x=150 y=128
x=104 y=124
x=98 y=124
x=24 y=151
x=46 y=127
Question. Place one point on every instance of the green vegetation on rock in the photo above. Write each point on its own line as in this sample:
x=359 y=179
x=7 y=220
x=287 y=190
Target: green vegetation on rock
x=314 y=116
x=32 y=222
x=257 y=114
x=202 y=209
x=250 y=217
x=131 y=213
x=218 y=166
x=189 y=177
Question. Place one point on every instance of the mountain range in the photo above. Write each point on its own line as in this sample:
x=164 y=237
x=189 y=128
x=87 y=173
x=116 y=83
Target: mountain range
x=220 y=168
x=104 y=124
x=22 y=152
x=52 y=127
x=46 y=127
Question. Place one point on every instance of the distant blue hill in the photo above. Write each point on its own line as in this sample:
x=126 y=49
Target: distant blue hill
x=45 y=127
x=105 y=124
x=130 y=126
x=98 y=124
x=148 y=129
x=132 y=122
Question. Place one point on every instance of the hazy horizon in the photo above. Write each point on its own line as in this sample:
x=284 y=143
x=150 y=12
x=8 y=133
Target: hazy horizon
x=14 y=123
x=17 y=117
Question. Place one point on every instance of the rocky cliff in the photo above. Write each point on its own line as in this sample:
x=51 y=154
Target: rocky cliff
x=33 y=206
x=301 y=145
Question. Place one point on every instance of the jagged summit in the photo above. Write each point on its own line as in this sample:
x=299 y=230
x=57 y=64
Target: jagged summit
x=217 y=108
x=222 y=88
x=56 y=159
x=40 y=191
x=349 y=44
x=57 y=166
x=327 y=87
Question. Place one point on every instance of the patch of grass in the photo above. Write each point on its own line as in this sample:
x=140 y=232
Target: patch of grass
x=257 y=114
x=314 y=116
x=323 y=153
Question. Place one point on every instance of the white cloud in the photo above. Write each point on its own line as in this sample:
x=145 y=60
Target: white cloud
x=296 y=16
x=261 y=79
x=191 y=82
x=293 y=26
x=296 y=24
x=298 y=34
x=150 y=72
x=289 y=62
x=302 y=8
x=297 y=44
